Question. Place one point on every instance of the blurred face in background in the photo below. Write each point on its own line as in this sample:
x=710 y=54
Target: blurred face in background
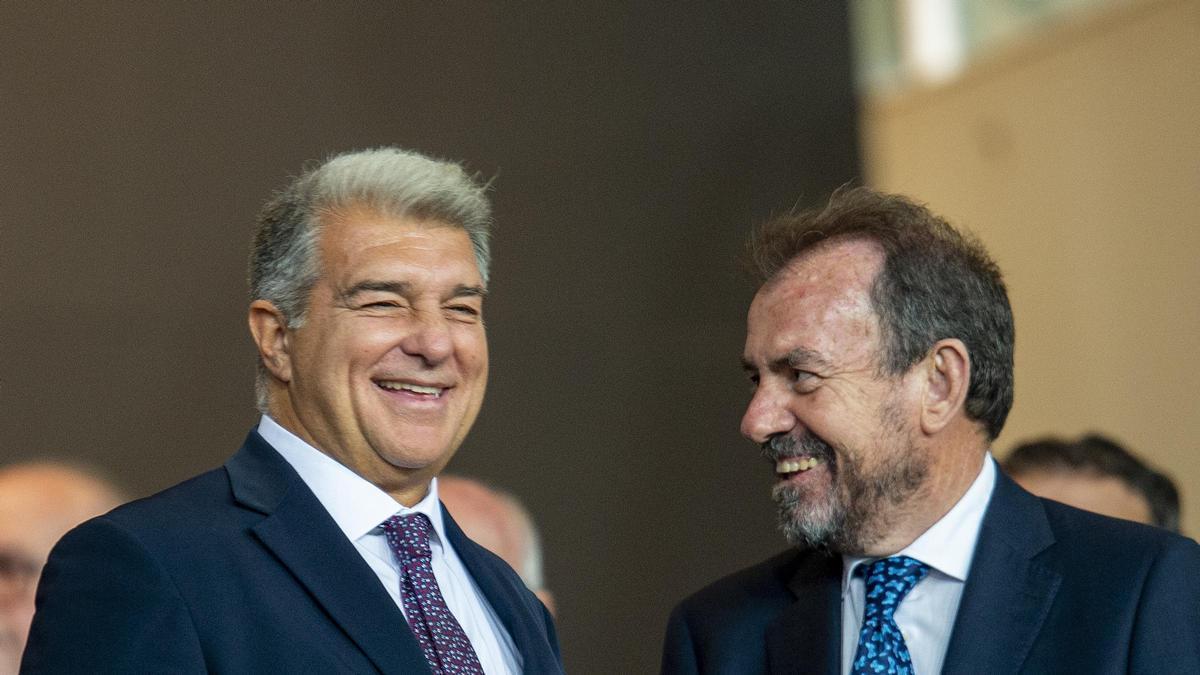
x=38 y=504
x=1106 y=495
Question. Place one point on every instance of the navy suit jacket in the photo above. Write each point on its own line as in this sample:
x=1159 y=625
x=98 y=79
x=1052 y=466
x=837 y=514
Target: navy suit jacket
x=241 y=570
x=1052 y=589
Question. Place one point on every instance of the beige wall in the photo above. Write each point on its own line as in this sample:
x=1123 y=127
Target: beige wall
x=1075 y=156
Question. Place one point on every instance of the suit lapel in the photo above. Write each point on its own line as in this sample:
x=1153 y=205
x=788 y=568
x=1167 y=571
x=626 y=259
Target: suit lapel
x=305 y=539
x=505 y=598
x=1008 y=593
x=806 y=639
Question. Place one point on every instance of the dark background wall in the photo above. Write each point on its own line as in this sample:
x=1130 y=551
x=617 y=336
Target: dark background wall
x=631 y=147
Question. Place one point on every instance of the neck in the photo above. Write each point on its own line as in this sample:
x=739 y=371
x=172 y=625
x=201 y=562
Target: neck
x=409 y=495
x=406 y=486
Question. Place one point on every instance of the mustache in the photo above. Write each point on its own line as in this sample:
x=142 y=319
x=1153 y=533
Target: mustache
x=779 y=447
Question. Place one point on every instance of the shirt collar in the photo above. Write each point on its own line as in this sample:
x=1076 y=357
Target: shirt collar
x=949 y=544
x=356 y=504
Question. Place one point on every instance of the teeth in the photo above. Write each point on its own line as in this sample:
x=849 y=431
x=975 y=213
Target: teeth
x=415 y=388
x=792 y=465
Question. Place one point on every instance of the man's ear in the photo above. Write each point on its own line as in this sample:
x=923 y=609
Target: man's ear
x=268 y=327
x=947 y=378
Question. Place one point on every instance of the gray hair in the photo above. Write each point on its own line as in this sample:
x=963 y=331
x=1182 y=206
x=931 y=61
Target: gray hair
x=284 y=262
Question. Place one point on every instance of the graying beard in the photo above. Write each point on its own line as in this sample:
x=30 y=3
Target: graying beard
x=849 y=523
x=798 y=525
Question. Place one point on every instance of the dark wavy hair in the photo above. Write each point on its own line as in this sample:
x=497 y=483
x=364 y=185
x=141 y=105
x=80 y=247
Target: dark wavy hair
x=1098 y=456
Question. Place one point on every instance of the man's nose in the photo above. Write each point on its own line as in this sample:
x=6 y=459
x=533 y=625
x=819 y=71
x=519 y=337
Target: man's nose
x=767 y=416
x=429 y=338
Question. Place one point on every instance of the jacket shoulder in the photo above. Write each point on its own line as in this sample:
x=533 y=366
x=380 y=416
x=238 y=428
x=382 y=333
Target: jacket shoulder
x=723 y=627
x=1082 y=537
x=762 y=583
x=1128 y=591
x=187 y=504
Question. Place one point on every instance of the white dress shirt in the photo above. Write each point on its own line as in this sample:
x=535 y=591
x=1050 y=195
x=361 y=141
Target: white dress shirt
x=359 y=507
x=926 y=615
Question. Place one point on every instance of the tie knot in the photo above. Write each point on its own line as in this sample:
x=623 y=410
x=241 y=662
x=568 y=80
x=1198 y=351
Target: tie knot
x=408 y=535
x=890 y=579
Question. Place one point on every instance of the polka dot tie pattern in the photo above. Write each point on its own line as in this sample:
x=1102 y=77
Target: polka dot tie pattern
x=442 y=639
x=881 y=648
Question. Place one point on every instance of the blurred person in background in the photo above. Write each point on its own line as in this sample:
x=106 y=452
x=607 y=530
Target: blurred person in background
x=1096 y=474
x=497 y=521
x=39 y=503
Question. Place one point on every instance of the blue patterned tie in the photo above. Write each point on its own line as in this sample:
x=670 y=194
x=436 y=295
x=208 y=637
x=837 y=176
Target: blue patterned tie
x=881 y=647
x=442 y=639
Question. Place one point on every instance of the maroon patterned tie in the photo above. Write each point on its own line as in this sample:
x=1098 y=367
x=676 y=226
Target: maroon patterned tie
x=446 y=646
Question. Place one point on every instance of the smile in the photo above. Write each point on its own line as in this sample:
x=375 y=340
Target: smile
x=420 y=389
x=793 y=465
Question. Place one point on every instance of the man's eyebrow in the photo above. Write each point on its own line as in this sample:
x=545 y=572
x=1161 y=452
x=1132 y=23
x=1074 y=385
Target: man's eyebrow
x=396 y=287
x=796 y=358
x=403 y=289
x=804 y=357
x=465 y=290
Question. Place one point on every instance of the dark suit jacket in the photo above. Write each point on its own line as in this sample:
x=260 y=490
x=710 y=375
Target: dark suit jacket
x=1052 y=589
x=241 y=570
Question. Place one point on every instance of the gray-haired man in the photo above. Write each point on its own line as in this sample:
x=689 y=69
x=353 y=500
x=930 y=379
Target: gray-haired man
x=321 y=546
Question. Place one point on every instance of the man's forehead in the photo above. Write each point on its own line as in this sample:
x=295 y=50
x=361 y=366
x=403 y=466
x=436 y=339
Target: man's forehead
x=819 y=302
x=839 y=263
x=358 y=243
x=39 y=503
x=51 y=487
x=360 y=226
x=839 y=274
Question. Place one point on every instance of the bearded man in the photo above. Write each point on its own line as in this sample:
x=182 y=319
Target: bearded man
x=880 y=344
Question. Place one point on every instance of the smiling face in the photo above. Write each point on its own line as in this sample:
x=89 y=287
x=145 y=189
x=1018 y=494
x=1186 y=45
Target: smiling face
x=839 y=435
x=388 y=371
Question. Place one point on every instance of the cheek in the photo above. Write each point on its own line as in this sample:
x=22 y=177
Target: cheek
x=375 y=332
x=483 y=357
x=472 y=351
x=362 y=346
x=849 y=430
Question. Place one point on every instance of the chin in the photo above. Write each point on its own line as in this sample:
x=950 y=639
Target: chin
x=415 y=457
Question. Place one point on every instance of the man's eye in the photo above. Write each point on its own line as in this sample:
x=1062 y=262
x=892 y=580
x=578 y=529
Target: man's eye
x=466 y=310
x=381 y=304
x=805 y=380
